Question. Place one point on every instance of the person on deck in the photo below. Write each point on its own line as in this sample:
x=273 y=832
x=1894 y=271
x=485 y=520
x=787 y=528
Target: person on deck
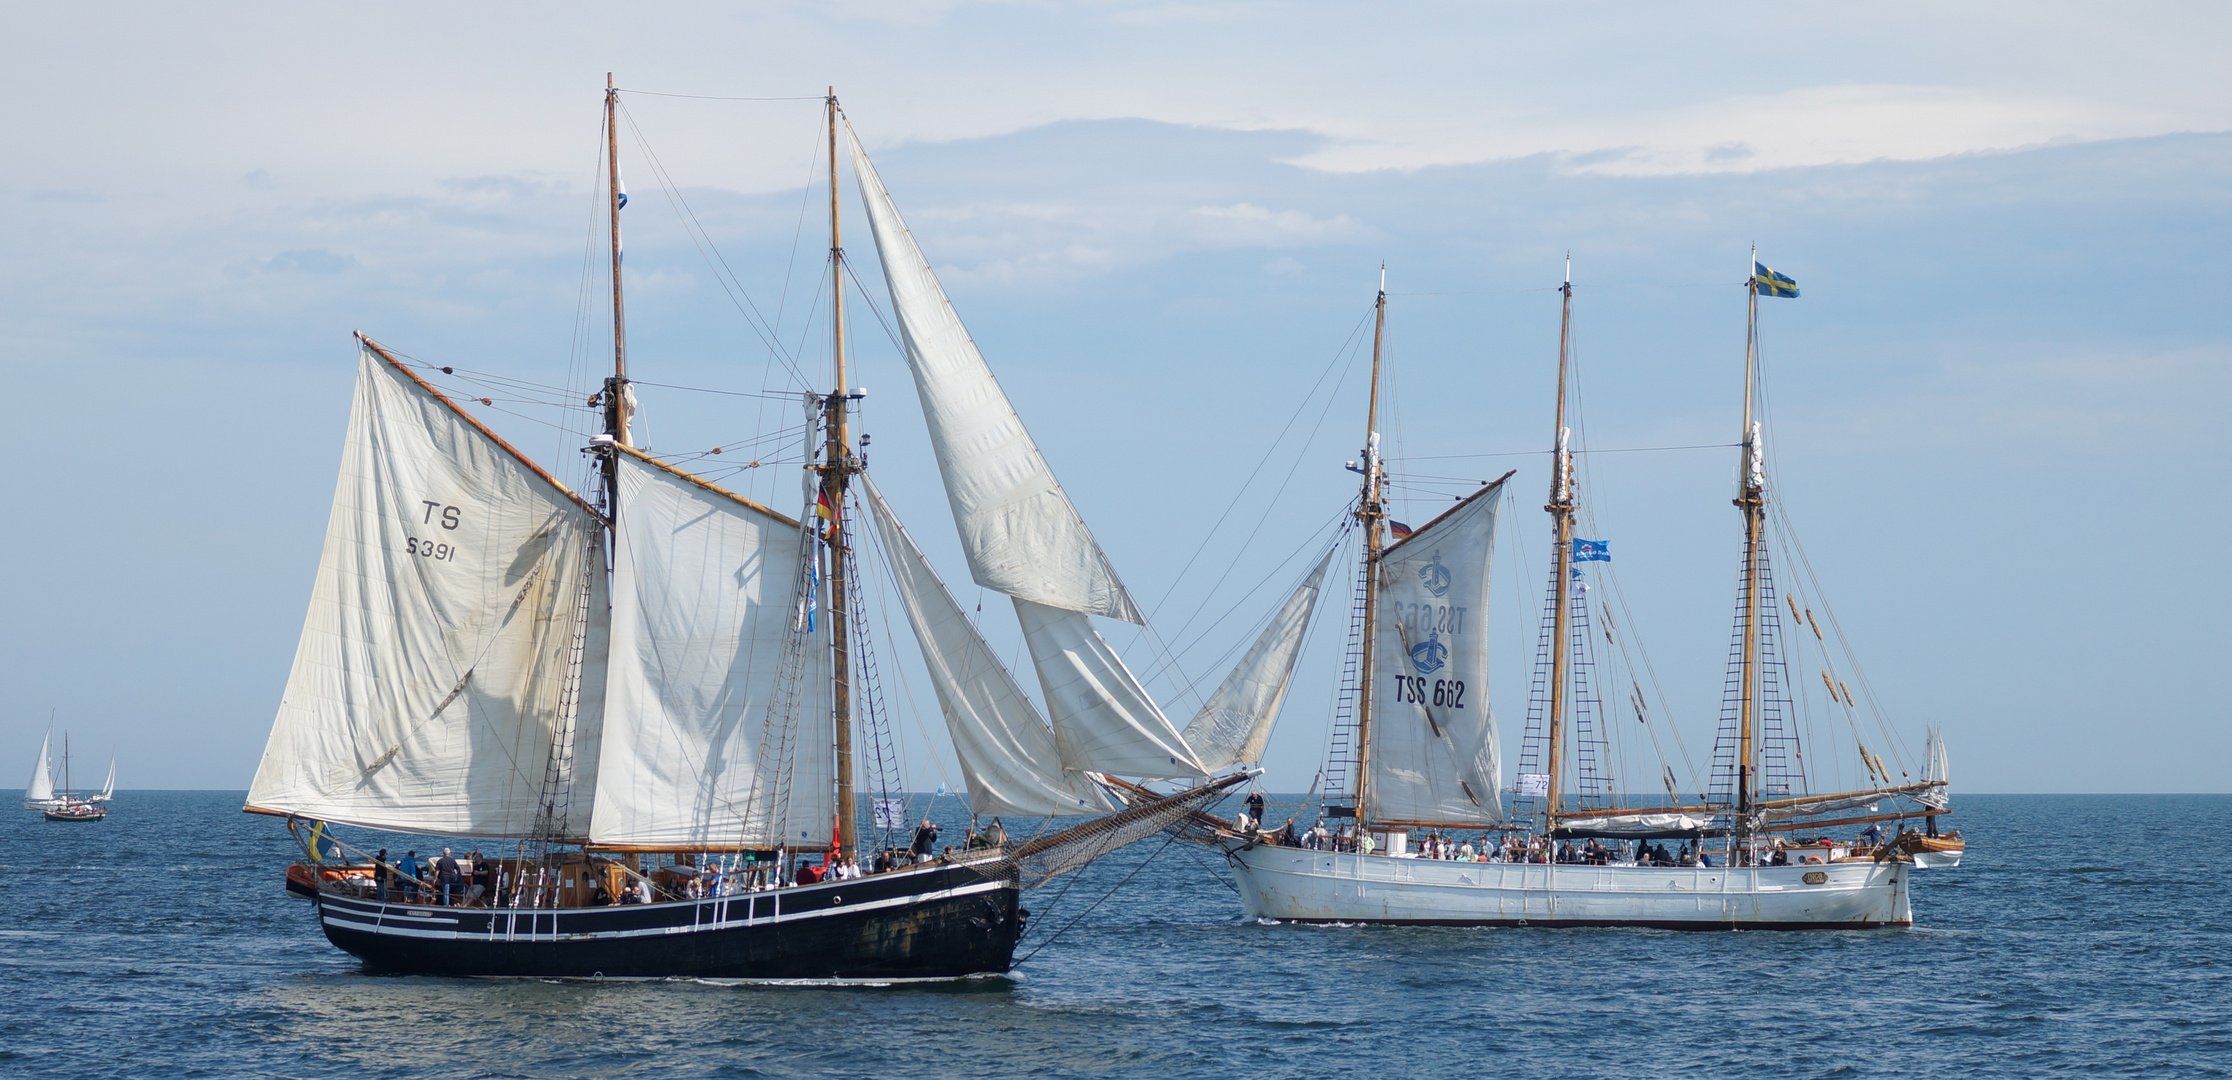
x=925 y=841
x=1285 y=836
x=447 y=877
x=1254 y=803
x=408 y=871
x=383 y=876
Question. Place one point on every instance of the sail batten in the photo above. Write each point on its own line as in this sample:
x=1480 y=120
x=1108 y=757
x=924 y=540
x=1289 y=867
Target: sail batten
x=1433 y=755
x=1235 y=723
x=1008 y=754
x=1020 y=532
x=717 y=695
x=426 y=691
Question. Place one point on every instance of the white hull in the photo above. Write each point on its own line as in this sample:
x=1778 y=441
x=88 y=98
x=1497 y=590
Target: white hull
x=1299 y=885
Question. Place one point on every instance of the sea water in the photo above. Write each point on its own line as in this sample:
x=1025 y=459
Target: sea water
x=2083 y=936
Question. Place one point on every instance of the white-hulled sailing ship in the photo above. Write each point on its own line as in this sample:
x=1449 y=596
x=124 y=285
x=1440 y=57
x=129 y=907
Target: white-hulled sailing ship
x=63 y=803
x=1418 y=752
x=656 y=731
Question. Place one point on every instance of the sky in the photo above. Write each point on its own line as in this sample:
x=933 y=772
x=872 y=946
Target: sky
x=1995 y=414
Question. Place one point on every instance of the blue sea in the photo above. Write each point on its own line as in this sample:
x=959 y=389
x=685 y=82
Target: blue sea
x=2085 y=936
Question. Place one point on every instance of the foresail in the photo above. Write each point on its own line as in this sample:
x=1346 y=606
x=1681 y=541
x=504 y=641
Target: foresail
x=108 y=788
x=1007 y=753
x=1103 y=719
x=434 y=674
x=717 y=696
x=1020 y=533
x=1433 y=754
x=41 y=787
x=1235 y=723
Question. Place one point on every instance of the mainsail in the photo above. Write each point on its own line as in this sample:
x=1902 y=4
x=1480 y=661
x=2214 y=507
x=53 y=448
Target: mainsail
x=1235 y=722
x=432 y=679
x=108 y=787
x=1020 y=533
x=1433 y=756
x=41 y=788
x=717 y=698
x=1008 y=754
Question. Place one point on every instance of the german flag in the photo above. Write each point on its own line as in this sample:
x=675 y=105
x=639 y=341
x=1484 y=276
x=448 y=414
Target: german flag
x=1401 y=531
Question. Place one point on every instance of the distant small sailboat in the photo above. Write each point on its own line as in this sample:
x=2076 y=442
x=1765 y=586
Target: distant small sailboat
x=62 y=804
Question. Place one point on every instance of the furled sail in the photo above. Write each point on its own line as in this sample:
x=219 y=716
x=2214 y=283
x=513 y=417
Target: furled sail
x=435 y=670
x=717 y=696
x=1103 y=719
x=41 y=788
x=1646 y=824
x=1007 y=752
x=1936 y=770
x=1433 y=755
x=1809 y=805
x=1020 y=533
x=1235 y=722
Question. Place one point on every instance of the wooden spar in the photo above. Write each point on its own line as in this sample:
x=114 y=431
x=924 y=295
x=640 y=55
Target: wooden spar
x=1561 y=554
x=1883 y=792
x=1753 y=503
x=1371 y=514
x=1485 y=488
x=615 y=395
x=1801 y=826
x=837 y=469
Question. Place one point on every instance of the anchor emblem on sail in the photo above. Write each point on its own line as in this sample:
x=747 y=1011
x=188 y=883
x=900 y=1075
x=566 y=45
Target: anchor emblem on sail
x=1427 y=656
x=1435 y=576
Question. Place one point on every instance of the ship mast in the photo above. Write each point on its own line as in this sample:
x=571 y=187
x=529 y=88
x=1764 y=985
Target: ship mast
x=615 y=388
x=1370 y=512
x=838 y=465
x=1561 y=557
x=1752 y=501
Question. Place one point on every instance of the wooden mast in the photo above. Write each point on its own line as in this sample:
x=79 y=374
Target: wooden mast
x=1753 y=502
x=838 y=465
x=615 y=388
x=1372 y=515
x=1561 y=558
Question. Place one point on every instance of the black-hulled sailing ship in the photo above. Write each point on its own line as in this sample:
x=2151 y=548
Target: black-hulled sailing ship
x=653 y=696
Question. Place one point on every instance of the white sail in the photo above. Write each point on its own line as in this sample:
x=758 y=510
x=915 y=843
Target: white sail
x=108 y=787
x=1008 y=754
x=456 y=583
x=1809 y=805
x=41 y=788
x=1937 y=770
x=1103 y=719
x=717 y=698
x=1236 y=721
x=1019 y=530
x=1433 y=756
x=1616 y=823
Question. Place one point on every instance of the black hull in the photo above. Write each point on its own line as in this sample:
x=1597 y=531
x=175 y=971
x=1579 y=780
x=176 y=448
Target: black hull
x=942 y=922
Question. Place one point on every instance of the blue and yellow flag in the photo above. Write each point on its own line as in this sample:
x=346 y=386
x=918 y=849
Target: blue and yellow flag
x=1767 y=282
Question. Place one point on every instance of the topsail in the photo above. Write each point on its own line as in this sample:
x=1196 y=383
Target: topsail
x=432 y=678
x=1019 y=530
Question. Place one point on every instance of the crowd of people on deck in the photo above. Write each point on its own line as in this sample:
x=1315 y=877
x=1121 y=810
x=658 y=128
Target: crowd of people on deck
x=475 y=881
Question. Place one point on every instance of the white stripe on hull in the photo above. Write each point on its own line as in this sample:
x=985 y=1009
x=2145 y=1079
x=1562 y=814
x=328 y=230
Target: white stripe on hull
x=520 y=924
x=1296 y=884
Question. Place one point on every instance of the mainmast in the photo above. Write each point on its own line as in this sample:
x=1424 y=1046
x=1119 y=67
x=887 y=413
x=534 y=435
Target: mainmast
x=838 y=465
x=615 y=388
x=1372 y=515
x=1561 y=555
x=1752 y=501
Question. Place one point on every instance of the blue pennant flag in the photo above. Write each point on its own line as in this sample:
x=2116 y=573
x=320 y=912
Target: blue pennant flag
x=1592 y=550
x=1767 y=282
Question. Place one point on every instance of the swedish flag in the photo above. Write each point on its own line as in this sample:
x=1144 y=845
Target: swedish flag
x=1767 y=282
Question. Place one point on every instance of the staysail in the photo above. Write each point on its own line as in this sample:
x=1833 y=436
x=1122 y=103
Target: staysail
x=41 y=788
x=1433 y=755
x=717 y=698
x=433 y=676
x=1020 y=533
x=108 y=787
x=1008 y=754
x=1235 y=722
x=1103 y=719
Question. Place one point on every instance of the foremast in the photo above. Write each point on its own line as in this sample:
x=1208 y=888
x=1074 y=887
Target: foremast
x=1373 y=515
x=615 y=396
x=1560 y=507
x=837 y=469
